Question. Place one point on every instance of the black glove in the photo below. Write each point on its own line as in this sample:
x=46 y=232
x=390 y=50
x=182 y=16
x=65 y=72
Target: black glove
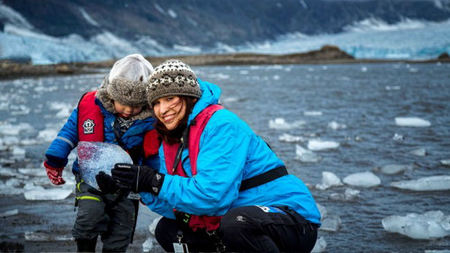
x=137 y=178
x=106 y=183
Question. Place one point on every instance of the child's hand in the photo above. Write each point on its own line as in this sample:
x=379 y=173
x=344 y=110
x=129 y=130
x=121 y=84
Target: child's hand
x=54 y=174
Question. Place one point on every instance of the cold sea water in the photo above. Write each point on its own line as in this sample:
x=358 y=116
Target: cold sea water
x=344 y=114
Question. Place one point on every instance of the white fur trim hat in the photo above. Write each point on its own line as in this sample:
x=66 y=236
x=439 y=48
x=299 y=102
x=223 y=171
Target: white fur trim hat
x=172 y=78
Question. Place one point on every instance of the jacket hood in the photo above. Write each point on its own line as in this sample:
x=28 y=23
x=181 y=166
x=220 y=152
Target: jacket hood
x=210 y=96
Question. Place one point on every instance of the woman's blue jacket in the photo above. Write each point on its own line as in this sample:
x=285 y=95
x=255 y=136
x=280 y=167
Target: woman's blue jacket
x=229 y=152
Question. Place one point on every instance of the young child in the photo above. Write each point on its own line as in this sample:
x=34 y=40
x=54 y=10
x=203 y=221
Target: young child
x=116 y=113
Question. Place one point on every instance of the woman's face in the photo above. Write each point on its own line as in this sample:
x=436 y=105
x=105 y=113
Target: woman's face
x=170 y=111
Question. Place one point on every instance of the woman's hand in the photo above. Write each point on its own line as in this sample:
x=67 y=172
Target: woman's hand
x=137 y=178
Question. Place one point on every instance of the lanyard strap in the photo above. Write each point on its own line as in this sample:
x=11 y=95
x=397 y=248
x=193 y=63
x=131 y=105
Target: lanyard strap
x=184 y=141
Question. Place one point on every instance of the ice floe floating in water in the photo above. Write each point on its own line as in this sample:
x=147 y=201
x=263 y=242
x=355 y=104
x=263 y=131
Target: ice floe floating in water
x=50 y=194
x=336 y=126
x=280 y=123
x=320 y=245
x=312 y=113
x=331 y=223
x=427 y=226
x=445 y=162
x=329 y=179
x=433 y=183
x=290 y=138
x=323 y=210
x=411 y=122
x=9 y=213
x=47 y=135
x=419 y=152
x=392 y=87
x=151 y=240
x=398 y=137
x=317 y=145
x=305 y=155
x=94 y=157
x=46 y=236
x=40 y=172
x=348 y=195
x=8 y=129
x=362 y=179
x=148 y=245
x=63 y=109
x=392 y=169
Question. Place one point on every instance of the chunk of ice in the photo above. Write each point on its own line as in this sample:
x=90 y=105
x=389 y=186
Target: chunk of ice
x=427 y=226
x=8 y=129
x=329 y=179
x=320 y=245
x=47 y=135
x=18 y=153
x=9 y=213
x=351 y=194
x=323 y=211
x=433 y=183
x=33 y=172
x=45 y=237
x=419 y=152
x=312 y=113
x=392 y=169
x=411 y=122
x=94 y=157
x=290 y=138
x=317 y=145
x=331 y=223
x=51 y=194
x=348 y=195
x=362 y=179
x=280 y=123
x=152 y=227
x=336 y=126
x=147 y=246
x=445 y=162
x=398 y=137
x=305 y=155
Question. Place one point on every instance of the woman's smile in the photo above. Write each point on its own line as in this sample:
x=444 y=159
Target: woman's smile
x=170 y=110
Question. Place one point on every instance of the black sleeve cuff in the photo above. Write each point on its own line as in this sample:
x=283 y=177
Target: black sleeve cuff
x=56 y=162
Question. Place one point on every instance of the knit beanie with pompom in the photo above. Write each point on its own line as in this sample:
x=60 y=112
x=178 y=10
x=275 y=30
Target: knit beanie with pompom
x=172 y=78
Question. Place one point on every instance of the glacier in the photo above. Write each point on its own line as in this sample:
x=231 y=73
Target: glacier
x=369 y=38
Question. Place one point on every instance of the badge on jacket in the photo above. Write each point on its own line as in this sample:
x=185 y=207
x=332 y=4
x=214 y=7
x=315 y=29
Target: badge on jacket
x=88 y=126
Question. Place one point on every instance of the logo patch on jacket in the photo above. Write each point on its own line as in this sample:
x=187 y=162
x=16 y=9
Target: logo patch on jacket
x=88 y=126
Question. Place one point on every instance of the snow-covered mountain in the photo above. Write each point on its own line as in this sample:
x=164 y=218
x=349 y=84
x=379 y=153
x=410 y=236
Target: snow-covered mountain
x=53 y=31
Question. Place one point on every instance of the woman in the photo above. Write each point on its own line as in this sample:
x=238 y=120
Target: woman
x=220 y=186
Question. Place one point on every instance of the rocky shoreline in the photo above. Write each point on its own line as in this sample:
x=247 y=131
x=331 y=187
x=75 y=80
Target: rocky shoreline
x=326 y=55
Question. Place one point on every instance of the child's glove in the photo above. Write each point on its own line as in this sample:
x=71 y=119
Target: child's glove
x=106 y=183
x=137 y=178
x=54 y=174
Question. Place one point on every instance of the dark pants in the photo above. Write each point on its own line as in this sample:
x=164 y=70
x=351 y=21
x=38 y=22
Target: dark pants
x=114 y=223
x=246 y=229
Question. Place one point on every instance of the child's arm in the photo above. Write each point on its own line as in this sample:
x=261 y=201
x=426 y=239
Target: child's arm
x=59 y=149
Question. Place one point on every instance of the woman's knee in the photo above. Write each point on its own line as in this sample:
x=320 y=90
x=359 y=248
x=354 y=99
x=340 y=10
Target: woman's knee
x=165 y=232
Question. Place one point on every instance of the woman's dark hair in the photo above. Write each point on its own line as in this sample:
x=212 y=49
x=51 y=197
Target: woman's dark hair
x=174 y=136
